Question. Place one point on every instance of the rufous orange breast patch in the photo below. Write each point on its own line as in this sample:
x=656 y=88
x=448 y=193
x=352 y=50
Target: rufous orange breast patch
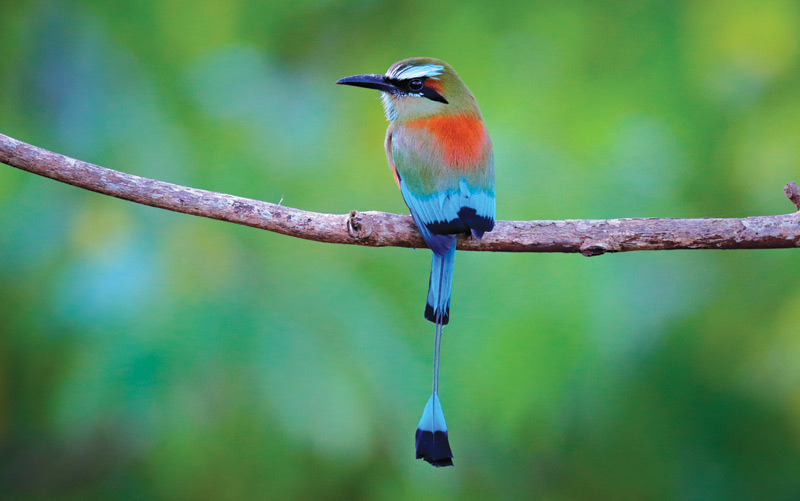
x=462 y=139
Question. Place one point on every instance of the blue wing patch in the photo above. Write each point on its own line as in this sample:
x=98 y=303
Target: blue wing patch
x=449 y=213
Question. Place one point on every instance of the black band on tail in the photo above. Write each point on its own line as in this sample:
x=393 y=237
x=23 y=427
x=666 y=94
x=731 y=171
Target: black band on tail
x=430 y=314
x=434 y=447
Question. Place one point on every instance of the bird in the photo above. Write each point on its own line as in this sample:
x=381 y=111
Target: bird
x=441 y=156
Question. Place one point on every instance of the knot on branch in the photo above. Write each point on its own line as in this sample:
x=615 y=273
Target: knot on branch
x=591 y=248
x=792 y=191
x=359 y=225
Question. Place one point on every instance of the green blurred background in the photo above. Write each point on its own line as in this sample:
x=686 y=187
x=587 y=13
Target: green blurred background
x=147 y=354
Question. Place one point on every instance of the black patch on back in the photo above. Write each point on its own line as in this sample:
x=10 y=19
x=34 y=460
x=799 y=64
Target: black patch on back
x=447 y=227
x=473 y=221
x=468 y=219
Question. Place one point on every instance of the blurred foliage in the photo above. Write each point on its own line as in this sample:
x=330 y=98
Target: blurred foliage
x=150 y=354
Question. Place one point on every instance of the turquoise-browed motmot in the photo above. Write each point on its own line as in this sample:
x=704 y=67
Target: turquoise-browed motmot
x=441 y=157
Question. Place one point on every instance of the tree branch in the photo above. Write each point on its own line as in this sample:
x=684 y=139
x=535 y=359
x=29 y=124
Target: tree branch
x=587 y=236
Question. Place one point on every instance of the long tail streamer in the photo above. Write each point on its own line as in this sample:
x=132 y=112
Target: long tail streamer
x=432 y=443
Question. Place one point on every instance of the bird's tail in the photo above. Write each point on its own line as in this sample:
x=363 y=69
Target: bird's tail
x=431 y=438
x=437 y=309
x=432 y=443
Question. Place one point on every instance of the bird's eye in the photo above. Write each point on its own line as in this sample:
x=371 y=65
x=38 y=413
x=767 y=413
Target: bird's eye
x=415 y=85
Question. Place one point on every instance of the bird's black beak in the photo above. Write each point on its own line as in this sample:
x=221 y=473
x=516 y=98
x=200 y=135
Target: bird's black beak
x=379 y=82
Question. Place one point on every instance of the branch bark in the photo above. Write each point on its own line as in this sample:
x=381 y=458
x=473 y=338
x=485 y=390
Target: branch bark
x=589 y=237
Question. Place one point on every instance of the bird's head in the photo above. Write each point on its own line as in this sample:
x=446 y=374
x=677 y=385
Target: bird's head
x=418 y=87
